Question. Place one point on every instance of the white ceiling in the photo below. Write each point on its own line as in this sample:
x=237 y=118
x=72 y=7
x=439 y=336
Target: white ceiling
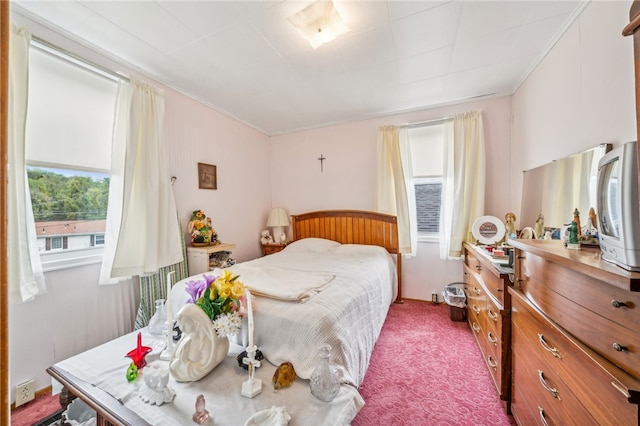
x=245 y=59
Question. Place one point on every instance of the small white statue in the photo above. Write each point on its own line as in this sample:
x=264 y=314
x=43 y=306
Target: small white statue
x=155 y=389
x=266 y=237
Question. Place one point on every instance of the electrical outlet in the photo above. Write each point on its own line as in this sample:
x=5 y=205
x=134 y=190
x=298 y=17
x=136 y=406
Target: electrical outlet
x=434 y=298
x=25 y=392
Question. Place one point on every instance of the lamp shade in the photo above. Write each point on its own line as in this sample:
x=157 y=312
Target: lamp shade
x=278 y=217
x=319 y=23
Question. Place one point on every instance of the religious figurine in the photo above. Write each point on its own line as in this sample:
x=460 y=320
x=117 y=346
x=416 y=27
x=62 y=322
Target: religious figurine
x=199 y=350
x=201 y=415
x=538 y=228
x=510 y=225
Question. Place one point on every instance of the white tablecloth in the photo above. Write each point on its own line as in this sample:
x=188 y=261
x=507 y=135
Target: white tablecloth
x=105 y=366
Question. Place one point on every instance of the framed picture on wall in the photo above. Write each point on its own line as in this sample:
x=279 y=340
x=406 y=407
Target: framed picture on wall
x=207 y=178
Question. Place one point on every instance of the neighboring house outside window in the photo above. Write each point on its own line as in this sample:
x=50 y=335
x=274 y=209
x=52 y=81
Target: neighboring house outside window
x=427 y=150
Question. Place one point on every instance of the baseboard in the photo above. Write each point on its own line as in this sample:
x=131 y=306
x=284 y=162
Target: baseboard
x=38 y=394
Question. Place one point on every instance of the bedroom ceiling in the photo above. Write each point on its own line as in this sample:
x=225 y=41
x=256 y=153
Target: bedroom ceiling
x=245 y=59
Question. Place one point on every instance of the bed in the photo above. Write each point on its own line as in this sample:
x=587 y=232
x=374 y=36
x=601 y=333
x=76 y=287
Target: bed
x=340 y=298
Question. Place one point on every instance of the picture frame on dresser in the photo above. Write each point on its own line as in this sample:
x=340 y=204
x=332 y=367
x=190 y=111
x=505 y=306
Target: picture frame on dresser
x=207 y=176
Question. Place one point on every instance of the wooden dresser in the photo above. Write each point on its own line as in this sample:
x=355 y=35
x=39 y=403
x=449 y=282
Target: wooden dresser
x=575 y=337
x=488 y=313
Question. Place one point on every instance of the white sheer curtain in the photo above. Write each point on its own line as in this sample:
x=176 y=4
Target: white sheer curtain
x=463 y=182
x=395 y=193
x=26 y=279
x=148 y=236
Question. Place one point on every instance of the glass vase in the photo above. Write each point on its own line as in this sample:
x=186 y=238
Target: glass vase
x=325 y=383
x=158 y=322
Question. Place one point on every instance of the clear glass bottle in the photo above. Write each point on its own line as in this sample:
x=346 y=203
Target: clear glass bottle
x=325 y=382
x=158 y=322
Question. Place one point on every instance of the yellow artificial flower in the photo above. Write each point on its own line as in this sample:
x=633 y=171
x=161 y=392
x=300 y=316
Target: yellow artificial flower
x=237 y=289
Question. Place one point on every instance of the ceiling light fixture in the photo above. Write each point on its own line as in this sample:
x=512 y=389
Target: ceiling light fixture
x=319 y=23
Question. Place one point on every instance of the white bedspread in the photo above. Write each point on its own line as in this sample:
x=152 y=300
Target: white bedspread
x=347 y=313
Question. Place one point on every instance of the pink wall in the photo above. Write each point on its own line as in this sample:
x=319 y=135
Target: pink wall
x=581 y=94
x=348 y=180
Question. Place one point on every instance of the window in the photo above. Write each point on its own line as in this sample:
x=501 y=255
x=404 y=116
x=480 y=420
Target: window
x=56 y=243
x=427 y=150
x=70 y=118
x=97 y=240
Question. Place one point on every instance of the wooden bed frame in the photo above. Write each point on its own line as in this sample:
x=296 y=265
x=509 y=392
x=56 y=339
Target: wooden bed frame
x=352 y=227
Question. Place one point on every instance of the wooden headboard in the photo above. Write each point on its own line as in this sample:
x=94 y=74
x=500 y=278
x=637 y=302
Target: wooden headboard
x=352 y=227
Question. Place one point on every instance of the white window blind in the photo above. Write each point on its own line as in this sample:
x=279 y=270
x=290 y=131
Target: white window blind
x=70 y=119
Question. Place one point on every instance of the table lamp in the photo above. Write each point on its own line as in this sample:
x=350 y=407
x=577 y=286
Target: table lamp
x=278 y=219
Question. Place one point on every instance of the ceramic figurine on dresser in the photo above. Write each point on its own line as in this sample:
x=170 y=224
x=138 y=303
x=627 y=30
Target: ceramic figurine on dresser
x=510 y=225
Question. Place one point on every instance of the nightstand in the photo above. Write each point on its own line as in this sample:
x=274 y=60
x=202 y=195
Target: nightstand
x=272 y=248
x=203 y=259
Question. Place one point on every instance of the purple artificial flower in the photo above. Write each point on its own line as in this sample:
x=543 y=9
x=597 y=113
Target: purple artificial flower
x=195 y=288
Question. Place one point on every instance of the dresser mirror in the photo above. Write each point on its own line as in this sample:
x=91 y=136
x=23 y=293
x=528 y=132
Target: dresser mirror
x=556 y=189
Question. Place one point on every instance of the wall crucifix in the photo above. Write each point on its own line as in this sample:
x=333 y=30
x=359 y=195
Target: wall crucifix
x=321 y=159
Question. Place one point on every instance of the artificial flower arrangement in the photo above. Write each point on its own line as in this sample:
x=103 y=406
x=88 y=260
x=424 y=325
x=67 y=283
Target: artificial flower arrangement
x=200 y=229
x=222 y=298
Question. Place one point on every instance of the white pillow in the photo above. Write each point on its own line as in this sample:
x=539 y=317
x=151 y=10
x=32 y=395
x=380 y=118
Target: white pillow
x=359 y=249
x=312 y=245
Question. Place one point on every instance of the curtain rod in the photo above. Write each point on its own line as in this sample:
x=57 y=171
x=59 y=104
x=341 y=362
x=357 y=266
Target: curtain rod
x=73 y=58
x=426 y=122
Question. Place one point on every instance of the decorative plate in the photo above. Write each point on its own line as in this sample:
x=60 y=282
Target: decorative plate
x=488 y=229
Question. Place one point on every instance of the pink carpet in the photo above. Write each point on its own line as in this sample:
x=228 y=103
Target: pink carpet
x=428 y=370
x=34 y=411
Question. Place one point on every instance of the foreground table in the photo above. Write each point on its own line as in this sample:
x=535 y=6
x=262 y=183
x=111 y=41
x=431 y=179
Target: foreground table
x=97 y=376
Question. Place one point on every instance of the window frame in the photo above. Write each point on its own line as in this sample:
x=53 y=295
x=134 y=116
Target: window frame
x=65 y=258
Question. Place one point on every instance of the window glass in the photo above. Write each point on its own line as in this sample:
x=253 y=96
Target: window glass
x=427 y=150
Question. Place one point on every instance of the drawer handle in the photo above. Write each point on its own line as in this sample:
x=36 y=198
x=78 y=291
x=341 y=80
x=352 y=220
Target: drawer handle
x=492 y=363
x=555 y=352
x=553 y=391
x=492 y=339
x=476 y=309
x=617 y=304
x=477 y=291
x=499 y=289
x=476 y=327
x=618 y=347
x=543 y=418
x=478 y=268
x=492 y=315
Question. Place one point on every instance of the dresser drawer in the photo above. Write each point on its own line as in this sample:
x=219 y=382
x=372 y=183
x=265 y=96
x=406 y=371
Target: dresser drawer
x=616 y=343
x=613 y=303
x=568 y=367
x=544 y=389
x=487 y=275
